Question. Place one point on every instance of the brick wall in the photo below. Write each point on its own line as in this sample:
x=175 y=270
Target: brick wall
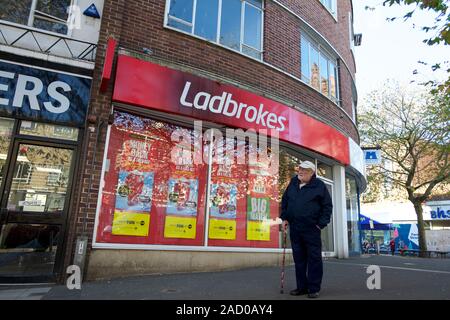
x=138 y=24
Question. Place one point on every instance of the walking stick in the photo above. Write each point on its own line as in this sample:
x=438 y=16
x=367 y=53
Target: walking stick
x=284 y=258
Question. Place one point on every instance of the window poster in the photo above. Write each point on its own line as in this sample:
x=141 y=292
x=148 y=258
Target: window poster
x=133 y=203
x=134 y=191
x=258 y=216
x=223 y=200
x=147 y=197
x=183 y=194
x=181 y=211
x=222 y=223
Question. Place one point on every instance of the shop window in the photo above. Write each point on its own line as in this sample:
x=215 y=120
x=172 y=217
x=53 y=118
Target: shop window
x=244 y=197
x=50 y=15
x=318 y=69
x=150 y=199
x=154 y=191
x=240 y=22
x=33 y=185
x=351 y=195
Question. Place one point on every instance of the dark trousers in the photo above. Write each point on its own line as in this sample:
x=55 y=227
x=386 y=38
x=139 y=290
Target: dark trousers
x=307 y=252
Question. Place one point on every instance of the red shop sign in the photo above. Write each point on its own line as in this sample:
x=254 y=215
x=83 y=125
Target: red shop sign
x=149 y=85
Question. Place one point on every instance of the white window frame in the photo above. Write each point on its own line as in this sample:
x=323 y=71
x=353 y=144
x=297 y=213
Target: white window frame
x=322 y=53
x=244 y=3
x=32 y=15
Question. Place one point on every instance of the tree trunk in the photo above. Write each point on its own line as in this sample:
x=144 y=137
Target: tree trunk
x=421 y=227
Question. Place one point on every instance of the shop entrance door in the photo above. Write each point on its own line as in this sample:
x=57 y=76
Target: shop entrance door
x=34 y=203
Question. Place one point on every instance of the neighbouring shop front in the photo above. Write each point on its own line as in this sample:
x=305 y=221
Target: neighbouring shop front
x=180 y=141
x=42 y=115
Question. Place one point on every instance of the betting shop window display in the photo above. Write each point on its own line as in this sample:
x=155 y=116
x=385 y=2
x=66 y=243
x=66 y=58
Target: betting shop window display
x=244 y=204
x=148 y=198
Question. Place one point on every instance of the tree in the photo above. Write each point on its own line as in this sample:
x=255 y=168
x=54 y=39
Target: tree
x=412 y=131
x=441 y=29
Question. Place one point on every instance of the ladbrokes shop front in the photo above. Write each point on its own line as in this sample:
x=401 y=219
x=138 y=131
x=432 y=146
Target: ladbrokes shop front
x=194 y=170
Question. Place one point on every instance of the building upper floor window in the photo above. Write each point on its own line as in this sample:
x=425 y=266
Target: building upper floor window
x=236 y=24
x=318 y=69
x=50 y=15
x=331 y=6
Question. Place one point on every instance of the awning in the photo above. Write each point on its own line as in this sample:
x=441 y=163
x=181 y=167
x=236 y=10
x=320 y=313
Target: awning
x=366 y=224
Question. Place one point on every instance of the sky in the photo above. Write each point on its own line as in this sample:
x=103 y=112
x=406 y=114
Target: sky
x=391 y=50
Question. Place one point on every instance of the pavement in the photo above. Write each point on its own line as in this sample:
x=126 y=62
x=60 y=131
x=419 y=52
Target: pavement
x=402 y=278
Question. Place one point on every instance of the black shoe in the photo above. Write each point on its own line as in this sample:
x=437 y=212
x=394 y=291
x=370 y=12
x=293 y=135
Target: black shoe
x=313 y=295
x=298 y=292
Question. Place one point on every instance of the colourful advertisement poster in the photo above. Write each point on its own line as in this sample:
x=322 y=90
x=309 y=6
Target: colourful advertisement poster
x=183 y=194
x=258 y=209
x=180 y=227
x=134 y=191
x=222 y=229
x=258 y=230
x=223 y=200
x=130 y=224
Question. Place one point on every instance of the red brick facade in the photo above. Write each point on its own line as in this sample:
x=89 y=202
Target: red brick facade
x=139 y=24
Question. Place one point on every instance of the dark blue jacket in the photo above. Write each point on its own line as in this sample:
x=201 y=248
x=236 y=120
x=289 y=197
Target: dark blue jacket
x=306 y=207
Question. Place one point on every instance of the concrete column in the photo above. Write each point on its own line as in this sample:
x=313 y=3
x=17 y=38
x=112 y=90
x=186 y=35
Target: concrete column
x=340 y=210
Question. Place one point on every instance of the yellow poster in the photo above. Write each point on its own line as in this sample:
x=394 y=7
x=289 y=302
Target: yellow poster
x=258 y=230
x=130 y=224
x=180 y=227
x=222 y=229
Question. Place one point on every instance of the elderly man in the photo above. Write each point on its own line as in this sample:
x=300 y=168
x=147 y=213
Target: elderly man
x=306 y=205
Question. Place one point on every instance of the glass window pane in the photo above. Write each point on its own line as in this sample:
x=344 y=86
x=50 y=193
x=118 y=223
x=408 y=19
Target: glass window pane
x=252 y=27
x=315 y=82
x=306 y=69
x=50 y=25
x=48 y=130
x=324 y=75
x=324 y=170
x=351 y=196
x=327 y=232
x=256 y=3
x=6 y=127
x=182 y=9
x=28 y=249
x=230 y=26
x=56 y=8
x=206 y=19
x=179 y=25
x=333 y=88
x=251 y=52
x=155 y=188
x=15 y=11
x=40 y=179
